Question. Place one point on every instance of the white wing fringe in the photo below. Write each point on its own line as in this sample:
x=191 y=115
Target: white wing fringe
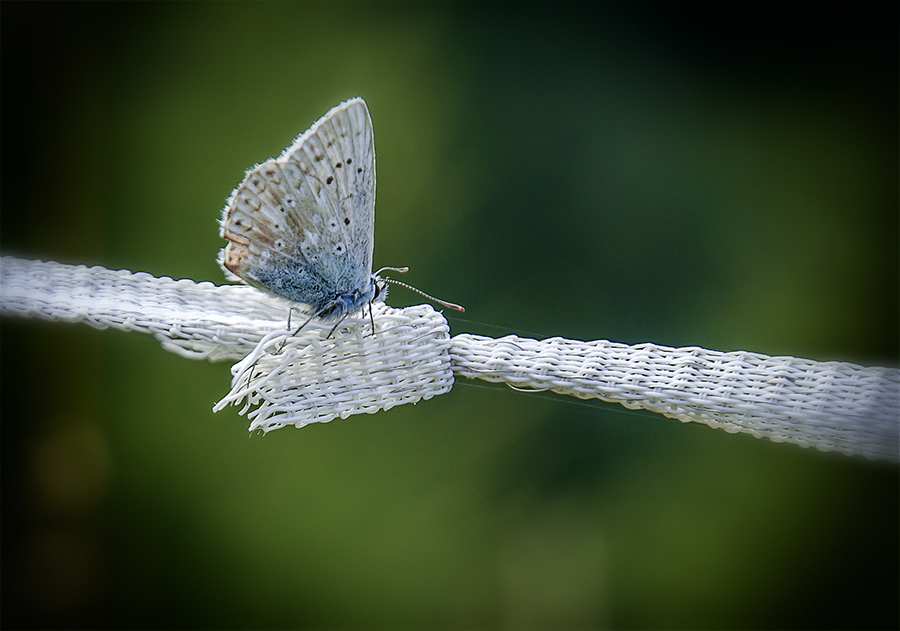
x=284 y=379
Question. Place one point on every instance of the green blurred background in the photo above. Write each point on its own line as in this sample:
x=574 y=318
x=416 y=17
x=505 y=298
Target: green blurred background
x=720 y=175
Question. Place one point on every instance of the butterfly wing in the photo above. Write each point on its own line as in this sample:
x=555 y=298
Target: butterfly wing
x=302 y=225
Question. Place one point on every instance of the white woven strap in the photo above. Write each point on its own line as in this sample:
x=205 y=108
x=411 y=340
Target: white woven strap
x=196 y=320
x=829 y=405
x=316 y=375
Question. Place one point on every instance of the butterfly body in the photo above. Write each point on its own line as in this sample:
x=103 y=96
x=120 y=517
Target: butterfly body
x=302 y=226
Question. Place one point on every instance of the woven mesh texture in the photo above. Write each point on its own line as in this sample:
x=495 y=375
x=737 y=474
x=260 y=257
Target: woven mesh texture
x=315 y=376
x=195 y=320
x=830 y=405
x=297 y=380
x=310 y=377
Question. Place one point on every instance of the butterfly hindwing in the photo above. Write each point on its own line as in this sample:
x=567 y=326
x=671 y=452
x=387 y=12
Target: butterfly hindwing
x=302 y=225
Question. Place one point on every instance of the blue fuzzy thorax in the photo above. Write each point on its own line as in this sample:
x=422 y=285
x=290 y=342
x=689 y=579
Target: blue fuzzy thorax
x=312 y=285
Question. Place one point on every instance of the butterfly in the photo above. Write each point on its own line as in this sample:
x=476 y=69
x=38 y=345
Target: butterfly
x=302 y=225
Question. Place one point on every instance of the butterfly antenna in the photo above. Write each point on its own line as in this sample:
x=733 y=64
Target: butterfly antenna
x=403 y=270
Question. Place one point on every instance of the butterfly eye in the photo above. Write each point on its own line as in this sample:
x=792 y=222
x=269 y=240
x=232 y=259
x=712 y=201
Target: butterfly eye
x=290 y=201
x=333 y=225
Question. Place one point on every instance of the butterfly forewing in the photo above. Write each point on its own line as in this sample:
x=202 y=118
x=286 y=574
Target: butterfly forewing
x=302 y=225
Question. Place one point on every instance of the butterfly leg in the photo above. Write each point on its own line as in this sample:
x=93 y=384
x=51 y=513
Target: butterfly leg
x=330 y=333
x=300 y=328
